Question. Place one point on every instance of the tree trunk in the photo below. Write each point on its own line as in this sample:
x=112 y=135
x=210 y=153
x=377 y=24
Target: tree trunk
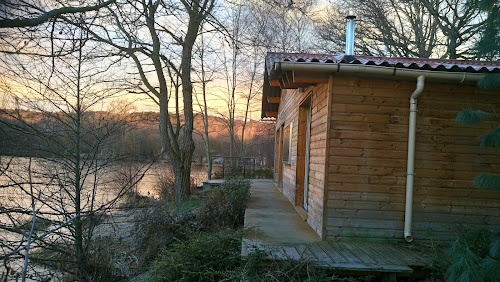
x=80 y=256
x=182 y=182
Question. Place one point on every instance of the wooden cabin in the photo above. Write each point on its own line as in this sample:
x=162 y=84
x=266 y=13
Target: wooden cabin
x=343 y=138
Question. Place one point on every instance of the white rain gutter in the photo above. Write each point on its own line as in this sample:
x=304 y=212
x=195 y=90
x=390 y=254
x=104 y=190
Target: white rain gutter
x=441 y=76
x=421 y=75
x=410 y=168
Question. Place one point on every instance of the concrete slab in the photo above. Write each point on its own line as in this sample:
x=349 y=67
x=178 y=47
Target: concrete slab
x=272 y=220
x=212 y=183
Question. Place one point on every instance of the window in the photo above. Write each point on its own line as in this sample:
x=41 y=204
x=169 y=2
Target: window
x=287 y=139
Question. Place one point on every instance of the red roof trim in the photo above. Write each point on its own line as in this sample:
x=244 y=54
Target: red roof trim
x=409 y=63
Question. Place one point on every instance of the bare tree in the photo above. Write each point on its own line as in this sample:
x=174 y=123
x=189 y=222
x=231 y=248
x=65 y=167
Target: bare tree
x=27 y=13
x=254 y=49
x=155 y=35
x=70 y=150
x=428 y=28
x=288 y=24
x=205 y=75
x=460 y=21
x=383 y=28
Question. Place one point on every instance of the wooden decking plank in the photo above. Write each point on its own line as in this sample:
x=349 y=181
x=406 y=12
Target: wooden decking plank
x=385 y=251
x=411 y=258
x=416 y=255
x=323 y=258
x=383 y=258
x=292 y=253
x=333 y=253
x=404 y=255
x=377 y=257
x=358 y=252
x=278 y=253
x=350 y=257
x=371 y=267
x=305 y=252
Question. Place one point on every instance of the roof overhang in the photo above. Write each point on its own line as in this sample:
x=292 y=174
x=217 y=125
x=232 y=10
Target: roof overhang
x=291 y=74
x=292 y=71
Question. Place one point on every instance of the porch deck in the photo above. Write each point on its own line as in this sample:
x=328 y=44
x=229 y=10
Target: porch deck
x=274 y=225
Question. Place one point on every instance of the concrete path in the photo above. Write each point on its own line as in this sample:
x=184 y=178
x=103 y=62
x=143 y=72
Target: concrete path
x=271 y=219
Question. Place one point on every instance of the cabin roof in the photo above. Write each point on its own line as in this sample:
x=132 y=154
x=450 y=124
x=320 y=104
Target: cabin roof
x=272 y=91
x=410 y=63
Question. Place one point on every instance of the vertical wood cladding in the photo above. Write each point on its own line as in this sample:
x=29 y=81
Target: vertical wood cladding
x=368 y=154
x=289 y=107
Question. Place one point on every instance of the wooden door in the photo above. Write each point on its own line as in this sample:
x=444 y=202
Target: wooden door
x=303 y=141
x=278 y=165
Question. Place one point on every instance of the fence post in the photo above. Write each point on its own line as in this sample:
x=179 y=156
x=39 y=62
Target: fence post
x=244 y=168
x=253 y=168
x=210 y=164
x=223 y=167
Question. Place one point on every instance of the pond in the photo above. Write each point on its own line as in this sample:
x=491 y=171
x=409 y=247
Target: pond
x=50 y=183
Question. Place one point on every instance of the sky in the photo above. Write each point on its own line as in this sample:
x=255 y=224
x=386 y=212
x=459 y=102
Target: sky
x=218 y=88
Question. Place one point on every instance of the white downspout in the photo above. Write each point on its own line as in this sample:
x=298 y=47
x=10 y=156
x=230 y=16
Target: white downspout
x=410 y=170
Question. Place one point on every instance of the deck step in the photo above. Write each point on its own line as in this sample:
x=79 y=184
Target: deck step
x=212 y=183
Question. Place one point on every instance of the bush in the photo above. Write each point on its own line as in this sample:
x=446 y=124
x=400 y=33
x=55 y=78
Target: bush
x=132 y=199
x=474 y=256
x=158 y=226
x=165 y=185
x=201 y=256
x=105 y=260
x=255 y=269
x=226 y=205
x=264 y=173
x=108 y=260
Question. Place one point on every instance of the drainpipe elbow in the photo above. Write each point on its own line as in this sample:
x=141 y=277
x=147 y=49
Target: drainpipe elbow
x=419 y=89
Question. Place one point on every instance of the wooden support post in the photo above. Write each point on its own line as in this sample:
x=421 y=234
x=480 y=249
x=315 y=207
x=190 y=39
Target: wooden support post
x=223 y=167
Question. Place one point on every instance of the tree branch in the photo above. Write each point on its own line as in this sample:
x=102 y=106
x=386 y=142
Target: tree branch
x=30 y=22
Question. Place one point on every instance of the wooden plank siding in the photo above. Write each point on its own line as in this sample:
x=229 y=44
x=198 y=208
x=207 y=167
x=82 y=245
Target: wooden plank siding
x=367 y=158
x=289 y=108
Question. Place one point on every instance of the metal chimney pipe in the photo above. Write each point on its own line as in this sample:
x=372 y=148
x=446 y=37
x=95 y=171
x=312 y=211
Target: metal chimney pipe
x=349 y=42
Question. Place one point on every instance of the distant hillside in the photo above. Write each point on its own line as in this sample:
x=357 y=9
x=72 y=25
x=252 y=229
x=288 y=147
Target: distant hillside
x=142 y=137
x=217 y=125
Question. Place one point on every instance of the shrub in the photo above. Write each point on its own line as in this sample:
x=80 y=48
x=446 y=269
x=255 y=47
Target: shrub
x=226 y=205
x=108 y=260
x=264 y=173
x=132 y=199
x=165 y=185
x=474 y=256
x=158 y=226
x=203 y=256
x=105 y=260
x=255 y=269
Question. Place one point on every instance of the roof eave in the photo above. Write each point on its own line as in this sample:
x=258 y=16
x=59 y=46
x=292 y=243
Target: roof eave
x=284 y=68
